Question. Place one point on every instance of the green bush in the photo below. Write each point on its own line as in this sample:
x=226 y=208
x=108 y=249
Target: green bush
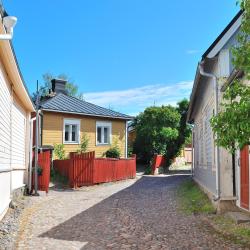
x=59 y=151
x=148 y=170
x=130 y=151
x=113 y=153
x=84 y=144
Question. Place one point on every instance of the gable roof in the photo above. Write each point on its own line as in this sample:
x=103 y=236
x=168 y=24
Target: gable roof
x=67 y=104
x=212 y=52
x=225 y=35
x=8 y=57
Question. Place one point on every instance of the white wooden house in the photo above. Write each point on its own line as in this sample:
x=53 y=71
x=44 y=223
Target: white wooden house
x=219 y=173
x=15 y=109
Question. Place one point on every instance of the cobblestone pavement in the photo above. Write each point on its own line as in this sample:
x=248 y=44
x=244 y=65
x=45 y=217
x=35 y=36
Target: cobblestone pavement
x=133 y=214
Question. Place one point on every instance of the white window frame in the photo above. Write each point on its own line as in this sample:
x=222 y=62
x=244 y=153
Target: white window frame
x=71 y=121
x=102 y=125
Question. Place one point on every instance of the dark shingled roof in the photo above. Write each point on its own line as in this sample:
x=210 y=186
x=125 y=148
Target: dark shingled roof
x=69 y=104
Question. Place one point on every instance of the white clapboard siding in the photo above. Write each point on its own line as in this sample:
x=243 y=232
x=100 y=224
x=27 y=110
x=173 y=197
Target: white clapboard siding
x=5 y=123
x=18 y=136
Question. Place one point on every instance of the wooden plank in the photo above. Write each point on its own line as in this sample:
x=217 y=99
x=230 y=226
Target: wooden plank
x=244 y=178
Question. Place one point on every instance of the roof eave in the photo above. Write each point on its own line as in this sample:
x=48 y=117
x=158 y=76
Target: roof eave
x=88 y=114
x=231 y=28
x=192 y=97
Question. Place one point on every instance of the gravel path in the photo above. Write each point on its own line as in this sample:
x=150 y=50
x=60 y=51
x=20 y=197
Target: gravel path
x=133 y=214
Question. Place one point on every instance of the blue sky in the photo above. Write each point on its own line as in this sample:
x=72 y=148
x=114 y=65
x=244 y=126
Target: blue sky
x=123 y=54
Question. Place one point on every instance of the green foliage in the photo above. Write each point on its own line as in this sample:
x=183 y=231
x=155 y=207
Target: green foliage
x=84 y=144
x=59 y=151
x=113 y=152
x=192 y=200
x=232 y=124
x=161 y=130
x=156 y=127
x=71 y=88
x=184 y=132
x=148 y=170
x=130 y=151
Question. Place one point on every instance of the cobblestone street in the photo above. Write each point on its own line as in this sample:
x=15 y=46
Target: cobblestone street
x=133 y=214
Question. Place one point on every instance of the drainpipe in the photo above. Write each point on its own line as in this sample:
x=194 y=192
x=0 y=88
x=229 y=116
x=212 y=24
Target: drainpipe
x=192 y=165
x=217 y=162
x=36 y=150
x=126 y=140
x=31 y=153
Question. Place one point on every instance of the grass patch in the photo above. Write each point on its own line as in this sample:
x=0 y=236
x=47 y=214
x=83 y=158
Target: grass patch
x=192 y=200
x=239 y=233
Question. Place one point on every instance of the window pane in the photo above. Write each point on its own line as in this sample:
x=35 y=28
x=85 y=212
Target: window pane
x=74 y=127
x=66 y=136
x=99 y=134
x=105 y=135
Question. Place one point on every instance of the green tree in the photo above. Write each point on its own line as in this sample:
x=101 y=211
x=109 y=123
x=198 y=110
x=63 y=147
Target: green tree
x=184 y=133
x=71 y=88
x=232 y=124
x=156 y=128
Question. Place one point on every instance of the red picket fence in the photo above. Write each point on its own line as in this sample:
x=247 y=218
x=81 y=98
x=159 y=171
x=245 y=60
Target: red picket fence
x=108 y=170
x=158 y=161
x=44 y=164
x=62 y=166
x=82 y=169
x=85 y=169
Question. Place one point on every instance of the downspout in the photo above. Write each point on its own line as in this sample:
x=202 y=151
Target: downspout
x=31 y=153
x=36 y=150
x=217 y=162
x=126 y=140
x=193 y=143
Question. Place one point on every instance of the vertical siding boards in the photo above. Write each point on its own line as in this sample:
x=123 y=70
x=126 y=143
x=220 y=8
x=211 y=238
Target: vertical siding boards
x=53 y=132
x=44 y=163
x=81 y=172
x=108 y=170
x=62 y=167
x=85 y=169
x=5 y=121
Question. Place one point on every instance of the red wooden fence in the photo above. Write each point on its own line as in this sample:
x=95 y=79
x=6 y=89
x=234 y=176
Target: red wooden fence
x=62 y=166
x=82 y=169
x=158 y=161
x=85 y=169
x=44 y=164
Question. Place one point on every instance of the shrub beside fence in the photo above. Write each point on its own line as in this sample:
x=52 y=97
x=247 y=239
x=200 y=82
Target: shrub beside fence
x=84 y=169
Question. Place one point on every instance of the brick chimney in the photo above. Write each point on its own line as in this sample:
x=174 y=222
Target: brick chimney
x=58 y=86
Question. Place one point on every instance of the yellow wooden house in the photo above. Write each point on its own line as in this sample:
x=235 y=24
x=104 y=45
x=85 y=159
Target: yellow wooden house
x=66 y=119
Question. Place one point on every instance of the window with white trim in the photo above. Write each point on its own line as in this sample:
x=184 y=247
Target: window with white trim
x=103 y=133
x=71 y=131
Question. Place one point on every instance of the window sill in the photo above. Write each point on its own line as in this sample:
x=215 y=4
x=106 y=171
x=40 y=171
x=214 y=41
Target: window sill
x=103 y=144
x=71 y=143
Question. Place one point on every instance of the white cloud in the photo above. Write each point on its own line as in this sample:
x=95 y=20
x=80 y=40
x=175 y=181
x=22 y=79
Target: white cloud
x=134 y=100
x=192 y=51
